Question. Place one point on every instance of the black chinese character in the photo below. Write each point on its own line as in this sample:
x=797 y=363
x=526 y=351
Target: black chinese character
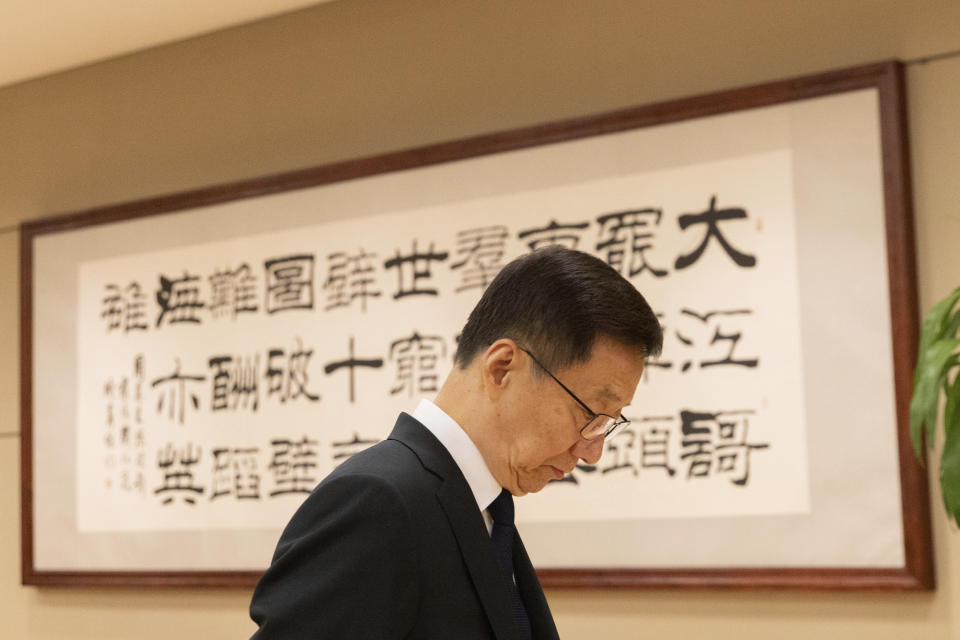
x=625 y=238
x=180 y=298
x=711 y=320
x=175 y=465
x=290 y=382
x=416 y=359
x=233 y=292
x=655 y=443
x=349 y=278
x=717 y=443
x=124 y=308
x=412 y=268
x=293 y=465
x=482 y=251
x=112 y=307
x=565 y=235
x=235 y=473
x=176 y=397
x=235 y=382
x=712 y=217
x=351 y=363
x=289 y=283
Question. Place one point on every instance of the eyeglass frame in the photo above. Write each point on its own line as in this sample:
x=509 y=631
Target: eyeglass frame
x=617 y=422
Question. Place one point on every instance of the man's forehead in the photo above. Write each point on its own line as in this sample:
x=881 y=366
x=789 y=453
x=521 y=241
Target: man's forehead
x=607 y=393
x=618 y=391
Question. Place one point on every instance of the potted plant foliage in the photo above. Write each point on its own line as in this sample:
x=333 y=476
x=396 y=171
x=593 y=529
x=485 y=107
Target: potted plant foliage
x=937 y=365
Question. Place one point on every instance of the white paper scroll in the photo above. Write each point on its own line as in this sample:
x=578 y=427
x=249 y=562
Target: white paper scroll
x=217 y=383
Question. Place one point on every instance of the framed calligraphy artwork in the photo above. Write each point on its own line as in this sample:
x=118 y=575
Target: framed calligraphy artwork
x=194 y=364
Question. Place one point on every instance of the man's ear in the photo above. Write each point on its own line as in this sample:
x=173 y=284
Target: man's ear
x=499 y=361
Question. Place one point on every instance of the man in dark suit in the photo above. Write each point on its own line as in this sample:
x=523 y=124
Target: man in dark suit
x=414 y=538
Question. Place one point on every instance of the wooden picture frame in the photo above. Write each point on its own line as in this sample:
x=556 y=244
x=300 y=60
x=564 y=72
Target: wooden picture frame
x=884 y=80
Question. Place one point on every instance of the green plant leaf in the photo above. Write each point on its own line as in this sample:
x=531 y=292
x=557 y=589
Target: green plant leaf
x=918 y=410
x=932 y=368
x=936 y=361
x=943 y=381
x=934 y=327
x=951 y=409
x=935 y=322
x=953 y=324
x=950 y=458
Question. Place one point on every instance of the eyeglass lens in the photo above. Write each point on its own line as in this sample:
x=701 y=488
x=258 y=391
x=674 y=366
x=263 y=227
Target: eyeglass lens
x=601 y=425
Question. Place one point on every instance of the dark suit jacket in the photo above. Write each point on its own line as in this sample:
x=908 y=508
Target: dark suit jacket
x=392 y=545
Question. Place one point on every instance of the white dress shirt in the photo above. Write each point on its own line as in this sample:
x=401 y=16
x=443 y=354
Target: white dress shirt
x=464 y=452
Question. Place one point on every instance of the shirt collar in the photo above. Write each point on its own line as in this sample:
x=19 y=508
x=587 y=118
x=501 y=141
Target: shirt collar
x=464 y=452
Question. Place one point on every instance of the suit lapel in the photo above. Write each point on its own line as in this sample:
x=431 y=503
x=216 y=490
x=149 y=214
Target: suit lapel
x=477 y=552
x=465 y=520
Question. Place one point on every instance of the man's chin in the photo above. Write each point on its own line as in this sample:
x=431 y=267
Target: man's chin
x=532 y=485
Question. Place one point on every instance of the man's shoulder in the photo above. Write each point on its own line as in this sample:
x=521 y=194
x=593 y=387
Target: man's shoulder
x=387 y=457
x=390 y=463
x=386 y=480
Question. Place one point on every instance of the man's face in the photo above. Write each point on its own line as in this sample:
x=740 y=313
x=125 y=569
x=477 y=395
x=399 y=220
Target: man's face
x=541 y=422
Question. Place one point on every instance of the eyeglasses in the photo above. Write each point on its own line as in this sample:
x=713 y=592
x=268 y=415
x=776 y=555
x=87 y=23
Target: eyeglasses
x=600 y=424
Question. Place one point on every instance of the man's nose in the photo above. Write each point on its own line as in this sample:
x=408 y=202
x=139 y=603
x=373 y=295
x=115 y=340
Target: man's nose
x=589 y=450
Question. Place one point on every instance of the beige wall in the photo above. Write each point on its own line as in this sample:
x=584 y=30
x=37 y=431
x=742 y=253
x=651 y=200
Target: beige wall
x=354 y=78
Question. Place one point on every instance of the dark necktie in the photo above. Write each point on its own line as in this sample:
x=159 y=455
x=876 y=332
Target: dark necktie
x=501 y=510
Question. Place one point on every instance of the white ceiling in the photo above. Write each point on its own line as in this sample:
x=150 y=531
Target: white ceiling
x=38 y=37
